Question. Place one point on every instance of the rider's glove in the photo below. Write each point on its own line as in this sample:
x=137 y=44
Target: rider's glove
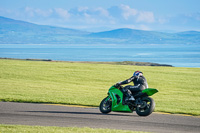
x=117 y=85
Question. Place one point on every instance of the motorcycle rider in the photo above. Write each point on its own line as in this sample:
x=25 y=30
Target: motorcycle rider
x=140 y=83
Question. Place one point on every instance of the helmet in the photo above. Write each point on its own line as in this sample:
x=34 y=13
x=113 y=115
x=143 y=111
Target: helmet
x=137 y=73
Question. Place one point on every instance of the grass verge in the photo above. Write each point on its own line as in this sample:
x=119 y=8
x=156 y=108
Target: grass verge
x=87 y=84
x=47 y=129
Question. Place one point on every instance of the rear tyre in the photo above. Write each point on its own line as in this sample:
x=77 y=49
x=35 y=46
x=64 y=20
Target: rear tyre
x=105 y=105
x=146 y=108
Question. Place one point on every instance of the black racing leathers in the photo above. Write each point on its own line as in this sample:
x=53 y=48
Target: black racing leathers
x=140 y=83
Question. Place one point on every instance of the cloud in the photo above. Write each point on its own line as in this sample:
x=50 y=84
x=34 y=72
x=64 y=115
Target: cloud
x=113 y=17
x=128 y=12
x=92 y=16
x=129 y=15
x=82 y=9
x=62 y=13
x=102 y=12
x=144 y=16
x=118 y=16
x=35 y=12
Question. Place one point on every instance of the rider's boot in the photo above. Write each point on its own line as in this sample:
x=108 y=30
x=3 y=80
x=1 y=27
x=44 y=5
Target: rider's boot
x=131 y=98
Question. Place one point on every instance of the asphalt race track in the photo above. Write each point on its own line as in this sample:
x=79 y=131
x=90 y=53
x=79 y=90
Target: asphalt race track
x=65 y=116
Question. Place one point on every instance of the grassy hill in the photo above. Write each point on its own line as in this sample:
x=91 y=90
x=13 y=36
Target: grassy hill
x=87 y=84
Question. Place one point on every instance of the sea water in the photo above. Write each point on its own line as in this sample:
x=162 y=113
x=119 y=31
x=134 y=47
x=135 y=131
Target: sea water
x=175 y=55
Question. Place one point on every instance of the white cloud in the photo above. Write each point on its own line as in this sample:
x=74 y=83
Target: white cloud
x=34 y=12
x=44 y=13
x=125 y=16
x=102 y=12
x=62 y=13
x=29 y=11
x=145 y=16
x=128 y=12
x=82 y=9
x=116 y=16
x=134 y=15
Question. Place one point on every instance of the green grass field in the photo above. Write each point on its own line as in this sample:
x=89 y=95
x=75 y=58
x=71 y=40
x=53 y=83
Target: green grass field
x=46 y=129
x=87 y=84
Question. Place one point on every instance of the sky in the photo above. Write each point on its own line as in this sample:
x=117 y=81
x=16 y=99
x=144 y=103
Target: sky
x=103 y=15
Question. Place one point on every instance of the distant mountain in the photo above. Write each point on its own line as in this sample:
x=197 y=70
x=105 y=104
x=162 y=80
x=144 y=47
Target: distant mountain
x=20 y=32
x=11 y=25
x=131 y=36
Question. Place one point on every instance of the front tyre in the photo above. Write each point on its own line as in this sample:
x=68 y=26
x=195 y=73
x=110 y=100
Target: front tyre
x=146 y=108
x=105 y=105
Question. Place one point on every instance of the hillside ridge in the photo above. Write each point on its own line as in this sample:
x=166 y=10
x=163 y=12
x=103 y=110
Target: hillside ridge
x=21 y=32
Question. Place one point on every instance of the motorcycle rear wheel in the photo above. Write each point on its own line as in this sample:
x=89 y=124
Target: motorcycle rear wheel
x=105 y=105
x=147 y=108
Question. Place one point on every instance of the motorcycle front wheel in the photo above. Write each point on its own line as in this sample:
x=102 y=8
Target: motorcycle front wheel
x=146 y=108
x=105 y=105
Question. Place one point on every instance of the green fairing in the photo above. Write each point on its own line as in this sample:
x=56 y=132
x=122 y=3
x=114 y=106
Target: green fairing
x=150 y=91
x=117 y=106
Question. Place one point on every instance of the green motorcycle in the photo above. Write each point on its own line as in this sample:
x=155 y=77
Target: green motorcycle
x=116 y=101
